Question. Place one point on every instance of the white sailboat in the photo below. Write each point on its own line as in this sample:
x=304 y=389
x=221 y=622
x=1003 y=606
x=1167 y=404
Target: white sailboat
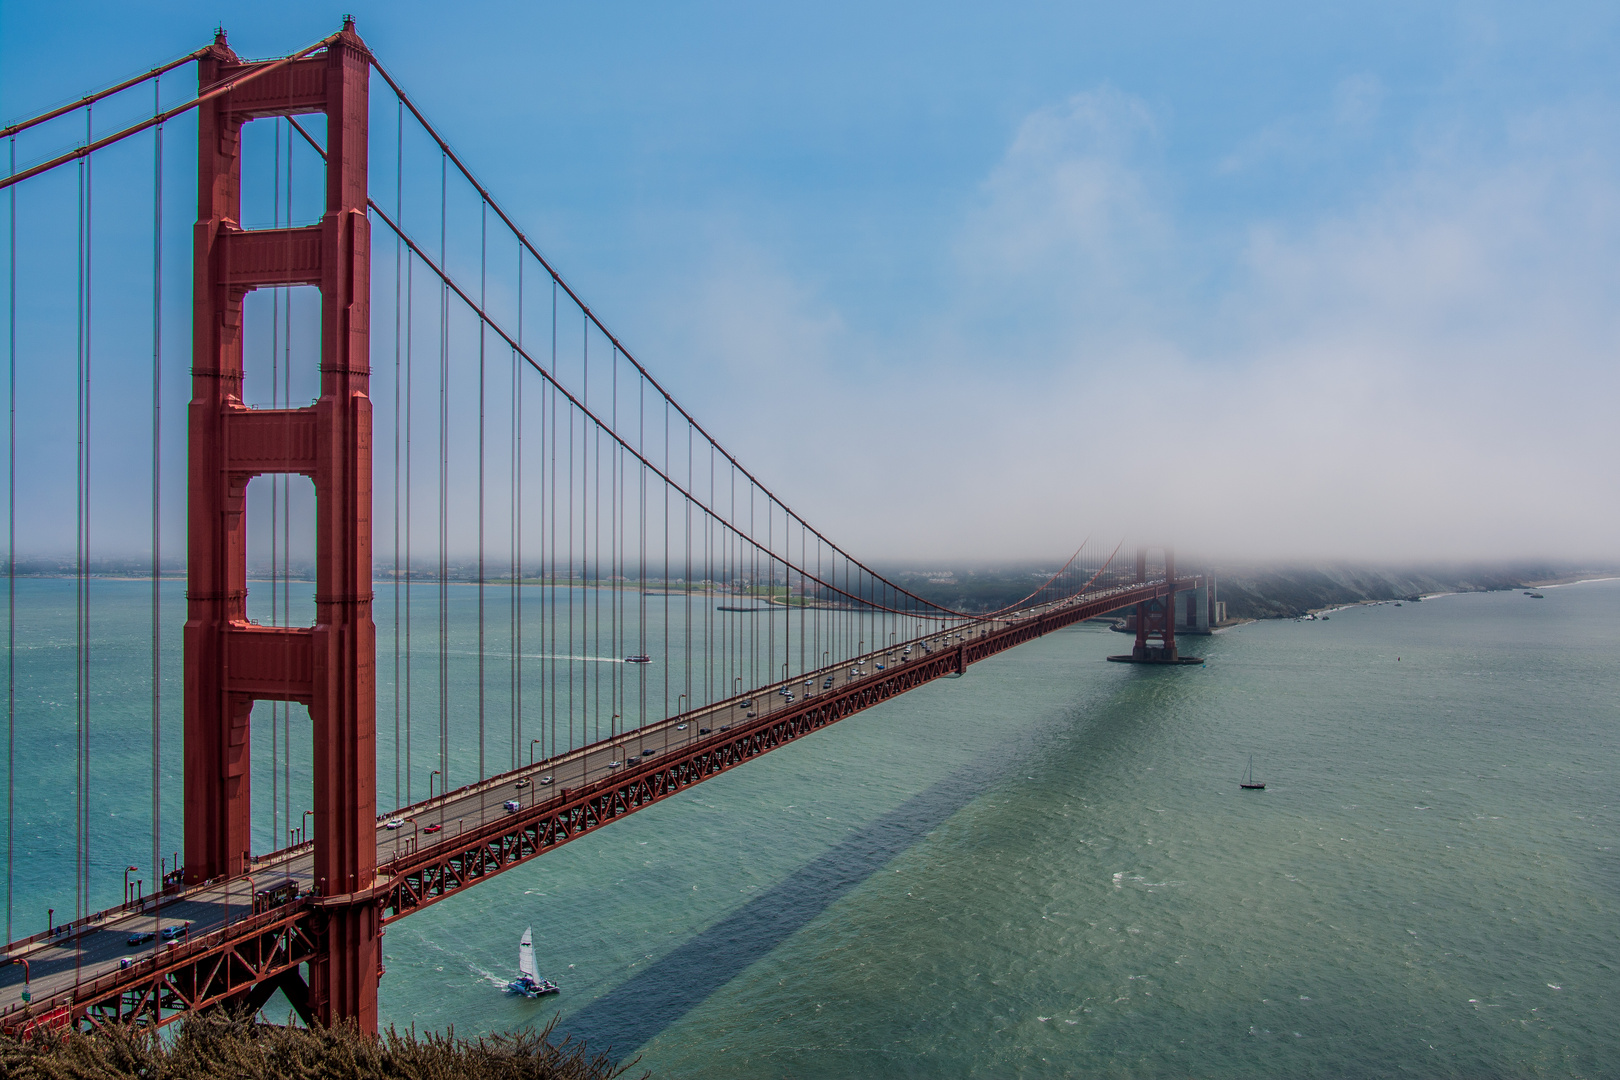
x=529 y=983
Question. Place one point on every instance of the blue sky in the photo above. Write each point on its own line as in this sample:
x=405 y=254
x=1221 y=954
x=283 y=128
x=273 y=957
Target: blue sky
x=1264 y=279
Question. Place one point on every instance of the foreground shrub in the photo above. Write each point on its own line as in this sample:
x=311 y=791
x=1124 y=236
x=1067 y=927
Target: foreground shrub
x=217 y=1048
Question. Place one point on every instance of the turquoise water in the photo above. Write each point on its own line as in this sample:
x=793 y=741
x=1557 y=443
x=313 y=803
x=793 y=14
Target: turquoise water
x=1045 y=868
x=572 y=647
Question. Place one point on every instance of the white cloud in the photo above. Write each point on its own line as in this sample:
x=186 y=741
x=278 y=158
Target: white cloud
x=1427 y=371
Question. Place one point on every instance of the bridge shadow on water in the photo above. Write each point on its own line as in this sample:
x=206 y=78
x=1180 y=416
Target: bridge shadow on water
x=631 y=1014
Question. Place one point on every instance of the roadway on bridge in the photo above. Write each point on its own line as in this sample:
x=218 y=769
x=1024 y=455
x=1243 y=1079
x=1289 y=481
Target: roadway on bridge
x=57 y=964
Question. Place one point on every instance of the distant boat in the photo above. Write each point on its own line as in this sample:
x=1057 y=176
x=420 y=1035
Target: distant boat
x=1249 y=782
x=529 y=983
x=1537 y=596
x=639 y=659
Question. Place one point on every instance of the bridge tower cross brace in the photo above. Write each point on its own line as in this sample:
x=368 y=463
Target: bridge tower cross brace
x=330 y=666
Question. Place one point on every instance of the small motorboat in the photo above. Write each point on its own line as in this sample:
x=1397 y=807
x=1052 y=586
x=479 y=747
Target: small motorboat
x=1537 y=596
x=1249 y=783
x=640 y=658
x=529 y=984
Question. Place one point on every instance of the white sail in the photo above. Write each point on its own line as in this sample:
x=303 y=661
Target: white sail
x=526 y=956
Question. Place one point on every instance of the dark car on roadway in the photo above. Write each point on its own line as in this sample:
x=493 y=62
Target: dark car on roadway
x=140 y=937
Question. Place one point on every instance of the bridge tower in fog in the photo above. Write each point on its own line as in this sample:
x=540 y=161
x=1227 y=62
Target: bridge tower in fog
x=1155 y=618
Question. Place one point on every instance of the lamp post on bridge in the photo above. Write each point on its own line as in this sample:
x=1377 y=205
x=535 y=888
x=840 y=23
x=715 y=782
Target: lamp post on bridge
x=128 y=870
x=249 y=879
x=531 y=760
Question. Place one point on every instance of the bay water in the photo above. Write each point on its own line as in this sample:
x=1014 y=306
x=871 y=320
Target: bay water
x=1047 y=868
x=1044 y=868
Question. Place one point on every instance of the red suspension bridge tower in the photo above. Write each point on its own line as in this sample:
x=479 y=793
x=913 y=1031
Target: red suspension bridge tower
x=330 y=666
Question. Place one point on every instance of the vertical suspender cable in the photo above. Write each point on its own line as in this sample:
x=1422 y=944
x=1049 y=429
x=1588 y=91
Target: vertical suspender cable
x=87 y=223
x=593 y=521
x=552 y=619
x=548 y=539
x=444 y=488
x=275 y=478
x=78 y=586
x=686 y=581
x=570 y=653
x=410 y=324
x=286 y=507
x=641 y=563
x=615 y=547
x=596 y=560
x=517 y=527
x=399 y=248
x=663 y=706
x=89 y=283
x=11 y=535
x=157 y=491
x=483 y=280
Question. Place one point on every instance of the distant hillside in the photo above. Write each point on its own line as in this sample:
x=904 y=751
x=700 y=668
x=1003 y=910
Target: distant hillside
x=979 y=589
x=1259 y=592
x=1285 y=591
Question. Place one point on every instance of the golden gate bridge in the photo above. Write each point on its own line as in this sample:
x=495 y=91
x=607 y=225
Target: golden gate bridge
x=594 y=604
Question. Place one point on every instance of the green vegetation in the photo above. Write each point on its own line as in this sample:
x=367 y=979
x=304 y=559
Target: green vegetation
x=977 y=589
x=1283 y=591
x=208 y=1048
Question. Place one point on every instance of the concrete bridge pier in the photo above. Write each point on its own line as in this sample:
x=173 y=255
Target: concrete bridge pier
x=1193 y=609
x=1156 y=619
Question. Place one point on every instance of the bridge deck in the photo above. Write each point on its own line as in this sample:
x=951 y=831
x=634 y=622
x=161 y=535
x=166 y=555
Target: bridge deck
x=91 y=969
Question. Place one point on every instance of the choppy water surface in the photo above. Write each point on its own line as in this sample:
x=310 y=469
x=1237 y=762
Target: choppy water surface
x=1046 y=868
